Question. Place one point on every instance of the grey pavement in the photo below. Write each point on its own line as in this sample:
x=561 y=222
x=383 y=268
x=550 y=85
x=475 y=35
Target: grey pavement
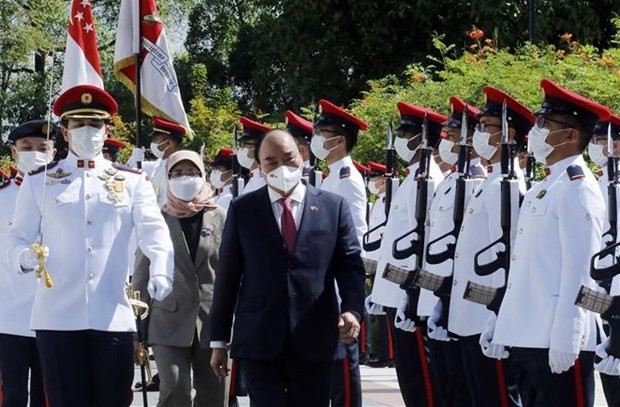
x=379 y=388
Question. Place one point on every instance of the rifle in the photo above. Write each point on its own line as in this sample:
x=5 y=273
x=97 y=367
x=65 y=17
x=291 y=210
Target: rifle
x=604 y=304
x=391 y=185
x=237 y=179
x=530 y=167
x=489 y=296
x=417 y=242
x=445 y=288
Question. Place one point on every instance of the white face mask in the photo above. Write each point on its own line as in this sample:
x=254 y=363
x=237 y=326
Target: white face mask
x=445 y=152
x=243 y=156
x=87 y=141
x=317 y=145
x=597 y=154
x=481 y=144
x=31 y=160
x=186 y=188
x=372 y=188
x=538 y=143
x=402 y=148
x=284 y=178
x=156 y=151
x=216 y=178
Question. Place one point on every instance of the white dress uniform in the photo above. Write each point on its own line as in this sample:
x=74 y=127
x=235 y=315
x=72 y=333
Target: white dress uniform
x=559 y=230
x=377 y=217
x=481 y=226
x=224 y=198
x=350 y=185
x=255 y=182
x=603 y=183
x=400 y=221
x=16 y=290
x=442 y=222
x=89 y=211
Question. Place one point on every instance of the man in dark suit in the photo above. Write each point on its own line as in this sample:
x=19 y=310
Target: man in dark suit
x=286 y=249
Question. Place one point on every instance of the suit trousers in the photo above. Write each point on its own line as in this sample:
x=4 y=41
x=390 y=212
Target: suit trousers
x=539 y=387
x=87 y=368
x=288 y=382
x=19 y=357
x=491 y=382
x=175 y=366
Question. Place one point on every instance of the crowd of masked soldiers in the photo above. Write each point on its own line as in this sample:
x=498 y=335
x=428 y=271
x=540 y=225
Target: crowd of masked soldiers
x=488 y=285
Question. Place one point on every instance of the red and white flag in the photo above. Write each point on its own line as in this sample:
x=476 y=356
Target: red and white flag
x=160 y=94
x=81 y=55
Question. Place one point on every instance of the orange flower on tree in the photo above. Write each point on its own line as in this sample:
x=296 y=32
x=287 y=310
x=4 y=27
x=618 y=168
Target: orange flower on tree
x=476 y=34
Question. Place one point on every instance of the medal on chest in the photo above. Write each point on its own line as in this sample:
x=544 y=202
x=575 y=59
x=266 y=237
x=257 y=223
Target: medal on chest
x=114 y=183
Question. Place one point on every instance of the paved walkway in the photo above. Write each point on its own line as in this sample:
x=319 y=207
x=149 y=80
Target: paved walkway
x=379 y=386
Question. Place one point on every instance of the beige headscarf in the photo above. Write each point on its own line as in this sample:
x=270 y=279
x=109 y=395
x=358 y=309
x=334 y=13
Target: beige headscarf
x=184 y=209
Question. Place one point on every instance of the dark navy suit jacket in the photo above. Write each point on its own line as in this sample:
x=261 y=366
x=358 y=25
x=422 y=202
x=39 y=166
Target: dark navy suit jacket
x=282 y=301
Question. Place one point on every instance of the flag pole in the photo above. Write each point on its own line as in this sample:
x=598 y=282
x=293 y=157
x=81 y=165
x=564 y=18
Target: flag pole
x=139 y=81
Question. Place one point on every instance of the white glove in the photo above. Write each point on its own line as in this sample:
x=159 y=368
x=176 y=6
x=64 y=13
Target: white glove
x=490 y=349
x=608 y=365
x=137 y=155
x=435 y=331
x=400 y=320
x=372 y=308
x=159 y=287
x=560 y=362
x=28 y=259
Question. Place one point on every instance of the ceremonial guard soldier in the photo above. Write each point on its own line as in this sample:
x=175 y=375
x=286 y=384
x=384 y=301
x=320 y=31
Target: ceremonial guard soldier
x=446 y=215
x=302 y=130
x=32 y=147
x=559 y=230
x=412 y=368
x=166 y=139
x=81 y=314
x=335 y=135
x=111 y=147
x=221 y=176
x=252 y=132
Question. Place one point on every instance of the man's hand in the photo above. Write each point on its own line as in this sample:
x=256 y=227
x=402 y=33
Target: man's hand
x=219 y=362
x=349 y=327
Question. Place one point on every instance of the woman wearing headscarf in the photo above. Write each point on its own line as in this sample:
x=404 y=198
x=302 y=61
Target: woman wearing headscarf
x=177 y=328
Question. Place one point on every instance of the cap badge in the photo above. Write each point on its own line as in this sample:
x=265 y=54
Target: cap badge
x=45 y=129
x=86 y=98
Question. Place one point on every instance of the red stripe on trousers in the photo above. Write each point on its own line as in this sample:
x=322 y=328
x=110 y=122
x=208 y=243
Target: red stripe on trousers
x=346 y=375
x=579 y=385
x=233 y=380
x=1 y=392
x=501 y=382
x=389 y=340
x=363 y=337
x=425 y=372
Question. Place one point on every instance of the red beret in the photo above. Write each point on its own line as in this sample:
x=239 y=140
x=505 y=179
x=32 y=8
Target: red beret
x=298 y=126
x=376 y=169
x=113 y=143
x=519 y=116
x=168 y=127
x=361 y=167
x=85 y=102
x=332 y=115
x=252 y=129
x=458 y=105
x=560 y=100
x=412 y=118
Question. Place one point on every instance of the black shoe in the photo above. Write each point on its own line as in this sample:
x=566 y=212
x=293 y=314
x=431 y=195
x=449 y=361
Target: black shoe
x=380 y=363
x=153 y=385
x=364 y=359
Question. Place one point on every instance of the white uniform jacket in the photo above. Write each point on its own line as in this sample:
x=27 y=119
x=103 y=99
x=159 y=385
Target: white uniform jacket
x=255 y=182
x=377 y=217
x=481 y=226
x=16 y=290
x=400 y=221
x=90 y=208
x=441 y=221
x=349 y=184
x=603 y=183
x=559 y=230
x=224 y=198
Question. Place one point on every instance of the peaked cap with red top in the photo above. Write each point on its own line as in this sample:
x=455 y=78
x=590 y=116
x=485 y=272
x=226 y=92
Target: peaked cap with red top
x=376 y=169
x=458 y=106
x=412 y=119
x=252 y=130
x=85 y=102
x=298 y=126
x=361 y=168
x=332 y=115
x=223 y=158
x=168 y=127
x=519 y=116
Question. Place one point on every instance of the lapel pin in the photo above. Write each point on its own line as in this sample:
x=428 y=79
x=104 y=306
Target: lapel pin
x=314 y=208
